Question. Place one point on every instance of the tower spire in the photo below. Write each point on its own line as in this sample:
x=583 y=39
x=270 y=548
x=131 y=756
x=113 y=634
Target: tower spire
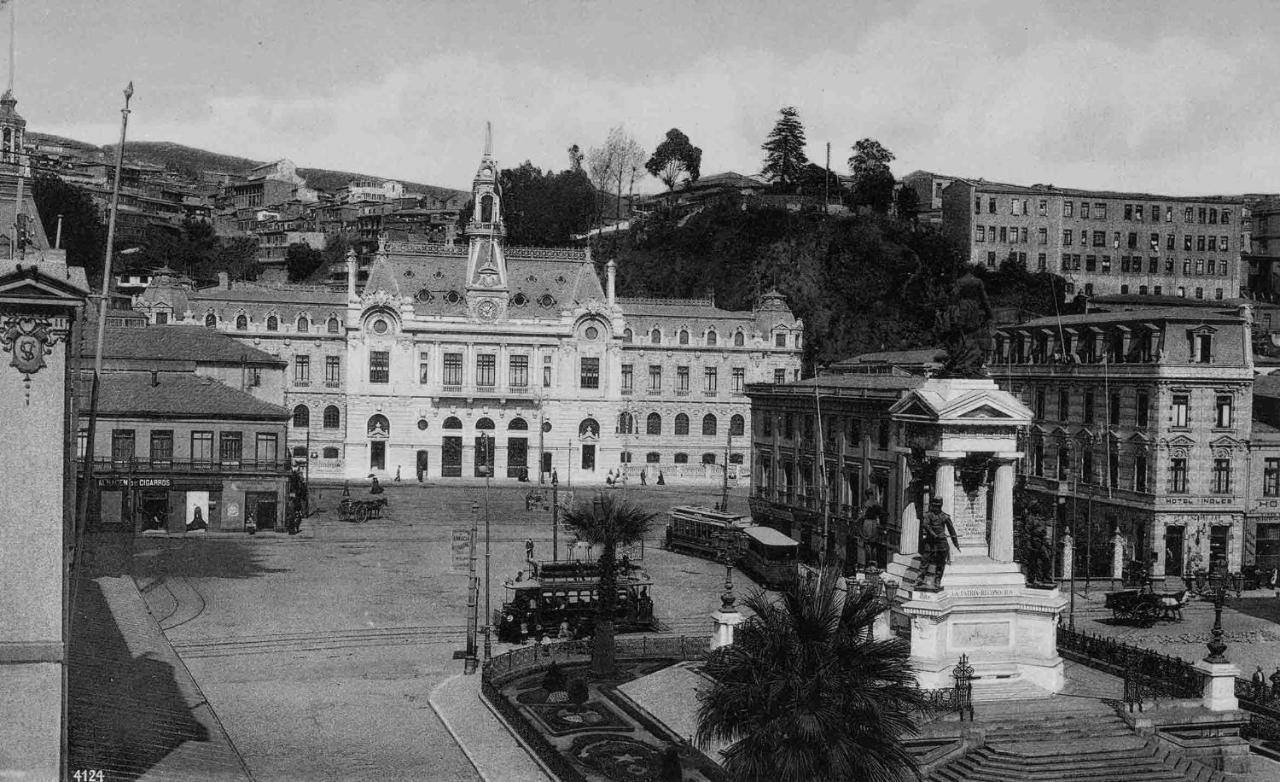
x=488 y=138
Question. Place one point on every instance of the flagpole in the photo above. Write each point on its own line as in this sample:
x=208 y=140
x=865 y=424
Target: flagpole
x=13 y=24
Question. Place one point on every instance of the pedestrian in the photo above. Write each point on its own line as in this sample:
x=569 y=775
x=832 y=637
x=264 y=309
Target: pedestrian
x=565 y=633
x=524 y=631
x=528 y=549
x=346 y=488
x=1259 y=684
x=661 y=481
x=643 y=480
x=375 y=488
x=250 y=525
x=397 y=473
x=1275 y=684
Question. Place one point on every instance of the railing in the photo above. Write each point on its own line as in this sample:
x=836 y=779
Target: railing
x=958 y=698
x=1146 y=674
x=108 y=466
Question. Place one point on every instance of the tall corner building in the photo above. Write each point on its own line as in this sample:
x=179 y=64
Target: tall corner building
x=449 y=345
x=1105 y=242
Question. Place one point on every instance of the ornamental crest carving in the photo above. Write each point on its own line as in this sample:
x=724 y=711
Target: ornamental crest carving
x=28 y=341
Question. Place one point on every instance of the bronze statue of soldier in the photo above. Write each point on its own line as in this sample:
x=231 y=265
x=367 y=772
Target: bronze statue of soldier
x=935 y=528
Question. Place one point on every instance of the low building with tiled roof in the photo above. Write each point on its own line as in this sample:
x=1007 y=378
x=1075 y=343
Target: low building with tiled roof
x=448 y=342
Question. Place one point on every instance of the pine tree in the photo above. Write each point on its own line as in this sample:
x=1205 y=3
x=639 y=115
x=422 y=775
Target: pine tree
x=784 y=158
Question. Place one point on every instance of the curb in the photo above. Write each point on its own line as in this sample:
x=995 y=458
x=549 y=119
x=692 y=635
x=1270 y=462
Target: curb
x=476 y=763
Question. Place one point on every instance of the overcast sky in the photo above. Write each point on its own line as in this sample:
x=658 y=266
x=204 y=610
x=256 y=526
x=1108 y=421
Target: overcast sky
x=1164 y=96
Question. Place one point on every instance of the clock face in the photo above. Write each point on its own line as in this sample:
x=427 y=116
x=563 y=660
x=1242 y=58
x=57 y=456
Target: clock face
x=487 y=309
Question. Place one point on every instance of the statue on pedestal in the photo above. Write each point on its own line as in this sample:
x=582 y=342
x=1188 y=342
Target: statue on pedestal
x=965 y=329
x=935 y=528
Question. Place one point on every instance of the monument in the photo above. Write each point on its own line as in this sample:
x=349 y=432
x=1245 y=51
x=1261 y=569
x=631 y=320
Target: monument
x=960 y=438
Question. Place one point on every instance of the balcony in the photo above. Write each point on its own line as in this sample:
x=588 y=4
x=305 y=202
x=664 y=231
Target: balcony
x=173 y=466
x=627 y=391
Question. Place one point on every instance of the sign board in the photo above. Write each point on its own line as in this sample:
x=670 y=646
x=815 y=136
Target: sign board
x=135 y=483
x=1191 y=500
x=460 y=550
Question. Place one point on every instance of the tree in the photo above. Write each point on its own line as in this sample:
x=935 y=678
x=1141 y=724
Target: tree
x=872 y=180
x=84 y=236
x=784 y=156
x=616 y=164
x=554 y=679
x=907 y=202
x=676 y=156
x=302 y=260
x=575 y=157
x=818 y=182
x=806 y=693
x=607 y=521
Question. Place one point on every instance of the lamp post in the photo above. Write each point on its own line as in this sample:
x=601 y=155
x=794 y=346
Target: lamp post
x=488 y=613
x=555 y=518
x=1218 y=647
x=726 y=540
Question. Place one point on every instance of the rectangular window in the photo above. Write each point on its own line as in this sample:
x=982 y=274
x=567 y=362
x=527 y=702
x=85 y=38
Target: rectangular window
x=1091 y=263
x=1188 y=214
x=1221 y=476
x=1042 y=236
x=546 y=376
x=779 y=375
x=1067 y=208
x=1213 y=216
x=266 y=449
x=1137 y=213
x=1106 y=264
x=1042 y=262
x=590 y=375
x=202 y=446
x=333 y=369
x=1067 y=235
x=1222 y=412
x=1099 y=238
x=1202 y=352
x=1064 y=406
x=1222 y=244
x=1004 y=234
x=1178 y=476
x=1181 y=410
x=1133 y=241
x=628 y=378
x=655 y=377
x=1200 y=245
x=709 y=380
x=161 y=445
x=738 y=379
x=1042 y=207
x=230 y=447
x=1088 y=407
x=1100 y=211
x=1084 y=210
x=1128 y=211
x=518 y=371
x=1039 y=404
x=682 y=380
x=379 y=366
x=1271 y=478
x=1114 y=412
x=991 y=205
x=977 y=204
x=1213 y=244
x=452 y=371
x=486 y=370
x=1200 y=266
x=301 y=370
x=122 y=445
x=1169 y=241
x=1144 y=408
x=1022 y=234
x=981 y=235
x=1168 y=214
x=1226 y=216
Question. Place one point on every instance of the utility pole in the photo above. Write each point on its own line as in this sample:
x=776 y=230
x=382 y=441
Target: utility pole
x=473 y=596
x=826 y=183
x=87 y=487
x=724 y=491
x=555 y=519
x=822 y=477
x=488 y=613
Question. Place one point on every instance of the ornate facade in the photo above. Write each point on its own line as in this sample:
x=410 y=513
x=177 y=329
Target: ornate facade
x=449 y=344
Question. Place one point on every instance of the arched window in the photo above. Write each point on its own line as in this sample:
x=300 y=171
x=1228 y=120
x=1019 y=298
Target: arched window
x=711 y=337
x=333 y=325
x=627 y=336
x=452 y=423
x=589 y=427
x=330 y=452
x=682 y=423
x=737 y=426
x=303 y=324
x=653 y=457
x=211 y=320
x=242 y=323
x=518 y=424
x=332 y=418
x=626 y=423
x=708 y=458
x=301 y=417
x=379 y=426
x=682 y=458
x=739 y=340
x=485 y=424
x=273 y=323
x=654 y=424
x=708 y=424
x=486 y=209
x=655 y=337
x=684 y=337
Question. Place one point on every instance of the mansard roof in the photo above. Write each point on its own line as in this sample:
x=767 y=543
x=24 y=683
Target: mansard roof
x=176 y=343
x=180 y=395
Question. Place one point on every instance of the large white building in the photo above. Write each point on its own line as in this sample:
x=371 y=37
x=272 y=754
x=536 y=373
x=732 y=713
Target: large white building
x=447 y=344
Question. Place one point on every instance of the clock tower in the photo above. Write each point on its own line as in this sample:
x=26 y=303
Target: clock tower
x=487 y=289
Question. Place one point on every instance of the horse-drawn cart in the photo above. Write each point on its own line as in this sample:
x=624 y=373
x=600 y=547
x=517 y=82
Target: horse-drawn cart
x=1145 y=608
x=361 y=510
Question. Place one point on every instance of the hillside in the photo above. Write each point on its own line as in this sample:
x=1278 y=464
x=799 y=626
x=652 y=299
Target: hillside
x=190 y=161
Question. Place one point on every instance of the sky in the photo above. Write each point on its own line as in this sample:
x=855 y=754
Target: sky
x=1170 y=96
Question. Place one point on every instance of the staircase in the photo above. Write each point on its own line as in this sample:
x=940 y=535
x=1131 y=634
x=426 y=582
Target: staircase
x=1058 y=740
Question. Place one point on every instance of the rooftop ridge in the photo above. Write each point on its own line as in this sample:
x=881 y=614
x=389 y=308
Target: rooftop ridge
x=700 y=301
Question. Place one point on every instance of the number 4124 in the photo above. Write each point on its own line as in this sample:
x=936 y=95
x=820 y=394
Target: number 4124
x=89 y=775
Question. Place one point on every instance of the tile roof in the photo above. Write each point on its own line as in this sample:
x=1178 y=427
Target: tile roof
x=640 y=308
x=914 y=356
x=1043 y=189
x=177 y=343
x=180 y=395
x=1190 y=314
x=1267 y=385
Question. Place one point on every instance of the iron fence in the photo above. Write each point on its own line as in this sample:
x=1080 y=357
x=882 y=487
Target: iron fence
x=1146 y=674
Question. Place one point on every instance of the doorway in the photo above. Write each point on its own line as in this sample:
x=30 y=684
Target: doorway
x=517 y=456
x=377 y=455
x=451 y=457
x=1174 y=546
x=1218 y=547
x=153 y=510
x=588 y=457
x=546 y=462
x=264 y=507
x=1268 y=547
x=422 y=462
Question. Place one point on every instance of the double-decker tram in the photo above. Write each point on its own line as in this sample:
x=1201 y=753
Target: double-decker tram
x=766 y=555
x=559 y=598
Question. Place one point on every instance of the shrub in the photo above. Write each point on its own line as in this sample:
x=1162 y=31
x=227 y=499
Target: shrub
x=555 y=678
x=578 y=692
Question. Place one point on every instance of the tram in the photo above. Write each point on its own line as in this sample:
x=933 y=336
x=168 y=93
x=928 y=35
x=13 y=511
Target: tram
x=769 y=557
x=561 y=596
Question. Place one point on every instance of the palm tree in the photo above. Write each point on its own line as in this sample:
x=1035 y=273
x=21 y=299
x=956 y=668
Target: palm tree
x=806 y=693
x=608 y=522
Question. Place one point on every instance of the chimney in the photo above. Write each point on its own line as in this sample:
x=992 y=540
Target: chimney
x=155 y=378
x=450 y=234
x=224 y=281
x=351 y=274
x=612 y=268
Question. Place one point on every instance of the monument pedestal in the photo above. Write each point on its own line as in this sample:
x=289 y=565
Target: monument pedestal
x=1219 y=685
x=986 y=611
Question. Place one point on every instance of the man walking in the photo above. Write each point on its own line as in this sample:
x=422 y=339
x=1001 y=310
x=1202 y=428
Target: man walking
x=935 y=528
x=528 y=549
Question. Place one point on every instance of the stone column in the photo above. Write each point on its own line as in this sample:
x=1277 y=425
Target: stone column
x=1000 y=548
x=909 y=543
x=1068 y=556
x=944 y=485
x=1117 y=557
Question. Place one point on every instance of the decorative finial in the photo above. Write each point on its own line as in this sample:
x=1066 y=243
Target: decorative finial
x=488 y=139
x=128 y=92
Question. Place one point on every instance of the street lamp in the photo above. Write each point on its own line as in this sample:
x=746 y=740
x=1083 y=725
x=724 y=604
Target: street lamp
x=488 y=613
x=555 y=518
x=1218 y=647
x=726 y=539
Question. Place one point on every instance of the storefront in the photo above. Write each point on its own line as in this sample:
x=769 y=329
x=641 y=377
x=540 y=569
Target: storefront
x=128 y=503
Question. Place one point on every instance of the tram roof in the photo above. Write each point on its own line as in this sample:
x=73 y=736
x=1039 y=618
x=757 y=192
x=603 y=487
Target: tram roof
x=770 y=536
x=710 y=514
